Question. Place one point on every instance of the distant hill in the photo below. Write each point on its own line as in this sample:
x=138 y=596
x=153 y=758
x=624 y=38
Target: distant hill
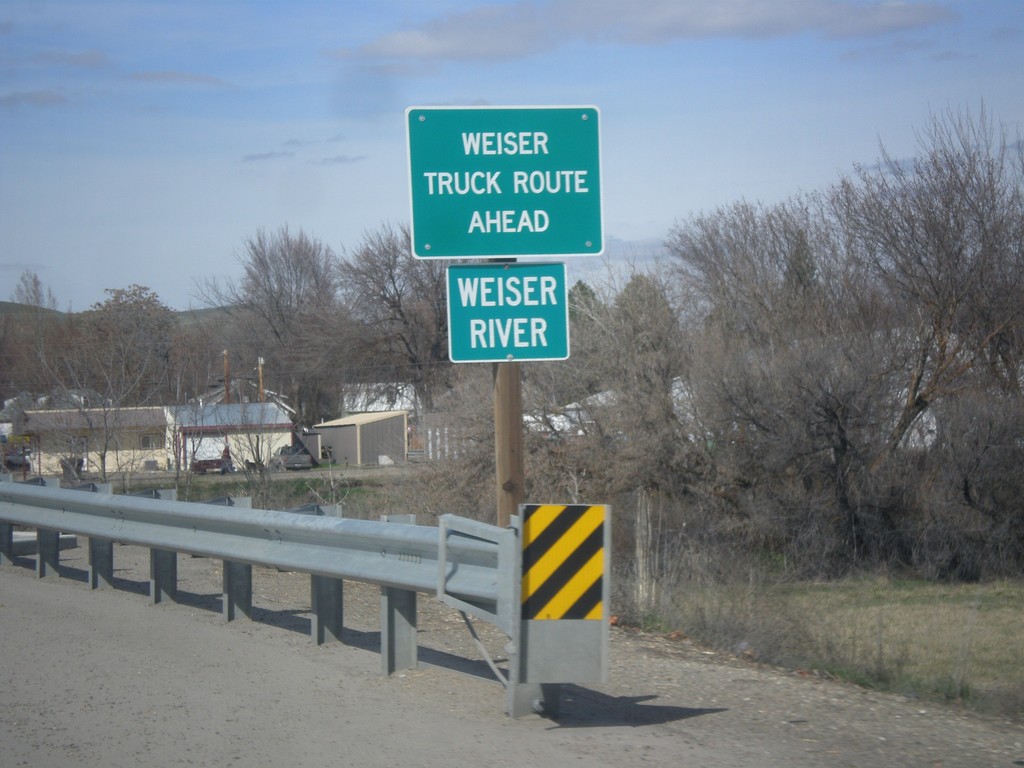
x=12 y=308
x=193 y=316
x=186 y=317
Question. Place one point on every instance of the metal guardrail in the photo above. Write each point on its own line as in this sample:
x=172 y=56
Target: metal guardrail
x=464 y=563
x=557 y=626
x=392 y=555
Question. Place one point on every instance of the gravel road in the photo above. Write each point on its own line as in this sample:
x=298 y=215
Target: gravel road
x=105 y=679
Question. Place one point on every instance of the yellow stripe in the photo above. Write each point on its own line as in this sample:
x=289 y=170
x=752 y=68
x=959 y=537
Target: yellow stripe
x=560 y=604
x=539 y=520
x=560 y=551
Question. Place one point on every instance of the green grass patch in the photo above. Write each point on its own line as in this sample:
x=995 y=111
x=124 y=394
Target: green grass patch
x=357 y=497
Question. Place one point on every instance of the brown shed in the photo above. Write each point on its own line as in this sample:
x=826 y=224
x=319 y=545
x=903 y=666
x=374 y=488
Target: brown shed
x=366 y=438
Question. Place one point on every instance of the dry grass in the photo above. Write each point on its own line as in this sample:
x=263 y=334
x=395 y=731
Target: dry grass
x=962 y=643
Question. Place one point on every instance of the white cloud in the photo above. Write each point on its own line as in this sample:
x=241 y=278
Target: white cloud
x=261 y=156
x=525 y=28
x=76 y=59
x=664 y=20
x=488 y=32
x=32 y=99
x=339 y=160
x=180 y=78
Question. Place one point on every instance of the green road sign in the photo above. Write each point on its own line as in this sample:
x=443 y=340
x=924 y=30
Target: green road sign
x=495 y=182
x=500 y=312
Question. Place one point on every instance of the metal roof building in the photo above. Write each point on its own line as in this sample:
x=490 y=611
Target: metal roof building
x=366 y=438
x=251 y=432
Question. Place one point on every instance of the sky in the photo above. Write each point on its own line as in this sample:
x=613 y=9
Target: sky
x=145 y=141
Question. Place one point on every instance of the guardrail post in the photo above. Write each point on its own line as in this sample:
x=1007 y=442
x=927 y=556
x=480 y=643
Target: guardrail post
x=7 y=529
x=48 y=541
x=398 y=648
x=101 y=551
x=101 y=563
x=48 y=548
x=236 y=578
x=237 y=590
x=6 y=544
x=327 y=606
x=163 y=575
x=325 y=593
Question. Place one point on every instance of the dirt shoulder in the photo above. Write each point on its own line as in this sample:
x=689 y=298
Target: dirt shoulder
x=104 y=678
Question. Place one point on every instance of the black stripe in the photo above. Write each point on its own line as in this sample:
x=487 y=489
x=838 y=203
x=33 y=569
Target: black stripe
x=588 y=600
x=561 y=576
x=563 y=521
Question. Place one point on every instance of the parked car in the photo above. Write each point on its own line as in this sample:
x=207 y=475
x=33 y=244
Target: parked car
x=17 y=461
x=291 y=457
x=220 y=466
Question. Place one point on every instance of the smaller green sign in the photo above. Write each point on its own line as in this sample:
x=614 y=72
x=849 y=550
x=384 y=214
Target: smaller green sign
x=501 y=312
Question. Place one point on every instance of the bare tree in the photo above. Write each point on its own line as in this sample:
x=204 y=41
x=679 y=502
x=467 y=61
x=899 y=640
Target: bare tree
x=37 y=336
x=125 y=347
x=401 y=303
x=835 y=327
x=121 y=354
x=286 y=311
x=943 y=237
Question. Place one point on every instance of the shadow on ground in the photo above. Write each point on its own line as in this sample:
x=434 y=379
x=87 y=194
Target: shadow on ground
x=586 y=708
x=293 y=620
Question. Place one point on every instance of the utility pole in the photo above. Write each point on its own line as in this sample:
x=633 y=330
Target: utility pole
x=260 y=373
x=227 y=380
x=508 y=440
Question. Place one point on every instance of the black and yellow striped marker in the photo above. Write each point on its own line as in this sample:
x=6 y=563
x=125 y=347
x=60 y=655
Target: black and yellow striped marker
x=563 y=561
